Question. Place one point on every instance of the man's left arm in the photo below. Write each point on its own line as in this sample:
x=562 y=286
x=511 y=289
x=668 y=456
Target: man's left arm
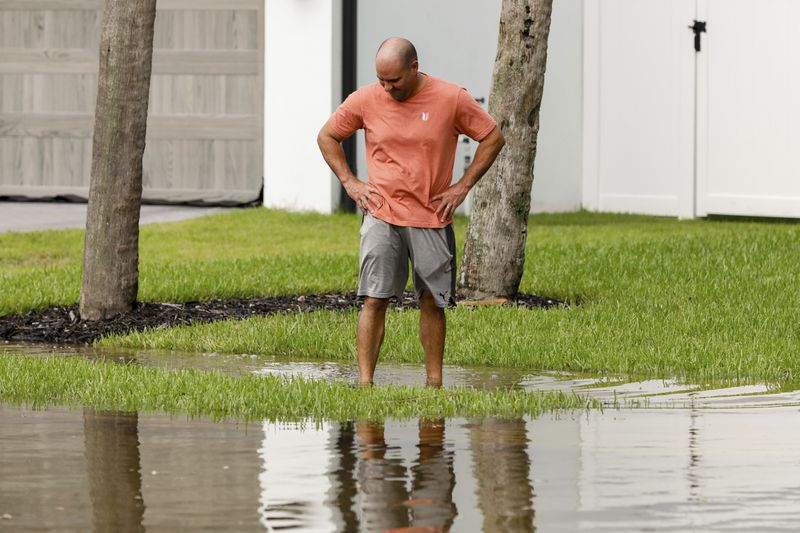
x=485 y=154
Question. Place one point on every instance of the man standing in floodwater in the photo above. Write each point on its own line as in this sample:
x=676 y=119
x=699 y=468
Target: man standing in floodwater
x=411 y=122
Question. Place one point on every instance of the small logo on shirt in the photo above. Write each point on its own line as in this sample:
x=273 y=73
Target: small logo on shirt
x=425 y=115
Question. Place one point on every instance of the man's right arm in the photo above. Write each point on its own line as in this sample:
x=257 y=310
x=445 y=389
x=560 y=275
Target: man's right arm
x=330 y=145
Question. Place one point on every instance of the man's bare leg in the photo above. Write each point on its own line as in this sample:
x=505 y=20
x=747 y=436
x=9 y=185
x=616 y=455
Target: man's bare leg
x=371 y=328
x=431 y=335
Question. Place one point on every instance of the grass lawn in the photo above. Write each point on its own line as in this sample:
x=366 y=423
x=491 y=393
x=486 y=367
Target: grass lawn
x=40 y=382
x=705 y=299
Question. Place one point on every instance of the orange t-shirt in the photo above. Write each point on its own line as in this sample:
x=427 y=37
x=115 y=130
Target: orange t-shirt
x=411 y=145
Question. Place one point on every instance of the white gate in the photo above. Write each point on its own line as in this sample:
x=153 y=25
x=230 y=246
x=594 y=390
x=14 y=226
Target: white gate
x=639 y=106
x=673 y=132
x=749 y=109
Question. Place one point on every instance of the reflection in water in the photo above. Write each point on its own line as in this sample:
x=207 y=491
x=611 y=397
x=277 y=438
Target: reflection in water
x=114 y=470
x=343 y=476
x=295 y=484
x=502 y=472
x=382 y=481
x=615 y=471
x=433 y=478
x=694 y=458
x=355 y=477
x=385 y=502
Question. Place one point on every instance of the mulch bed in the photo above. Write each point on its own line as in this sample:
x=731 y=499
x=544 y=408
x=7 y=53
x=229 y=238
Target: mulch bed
x=63 y=324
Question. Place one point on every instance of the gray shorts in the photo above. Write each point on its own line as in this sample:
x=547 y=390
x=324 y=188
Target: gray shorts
x=386 y=250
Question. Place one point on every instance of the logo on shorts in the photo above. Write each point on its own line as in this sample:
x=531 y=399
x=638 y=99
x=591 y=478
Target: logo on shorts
x=425 y=115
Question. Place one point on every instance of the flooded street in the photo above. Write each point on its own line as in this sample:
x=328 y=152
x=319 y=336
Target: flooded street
x=694 y=458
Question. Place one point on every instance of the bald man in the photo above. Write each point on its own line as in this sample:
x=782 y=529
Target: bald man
x=411 y=123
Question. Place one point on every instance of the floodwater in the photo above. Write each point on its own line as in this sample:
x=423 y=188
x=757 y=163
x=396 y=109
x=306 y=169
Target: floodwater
x=695 y=458
x=613 y=391
x=636 y=470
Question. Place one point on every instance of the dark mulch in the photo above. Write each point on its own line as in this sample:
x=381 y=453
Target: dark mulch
x=63 y=324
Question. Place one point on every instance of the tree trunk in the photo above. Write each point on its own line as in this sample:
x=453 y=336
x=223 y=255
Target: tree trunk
x=111 y=249
x=494 y=250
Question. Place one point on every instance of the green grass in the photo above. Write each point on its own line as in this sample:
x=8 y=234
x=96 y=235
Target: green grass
x=73 y=381
x=248 y=252
x=710 y=299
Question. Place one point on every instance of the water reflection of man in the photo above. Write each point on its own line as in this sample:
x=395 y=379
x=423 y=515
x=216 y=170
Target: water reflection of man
x=385 y=502
x=114 y=470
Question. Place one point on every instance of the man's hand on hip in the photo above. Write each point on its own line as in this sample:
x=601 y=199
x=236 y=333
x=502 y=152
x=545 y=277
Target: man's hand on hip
x=451 y=198
x=366 y=198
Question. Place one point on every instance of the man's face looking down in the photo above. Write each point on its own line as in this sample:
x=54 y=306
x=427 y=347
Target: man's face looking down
x=397 y=79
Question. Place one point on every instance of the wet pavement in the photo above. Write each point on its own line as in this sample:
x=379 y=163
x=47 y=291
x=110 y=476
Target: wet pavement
x=37 y=216
x=691 y=457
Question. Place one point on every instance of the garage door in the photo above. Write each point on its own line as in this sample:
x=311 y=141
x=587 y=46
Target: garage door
x=205 y=140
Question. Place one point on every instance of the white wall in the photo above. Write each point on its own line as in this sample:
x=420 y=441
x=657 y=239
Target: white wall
x=457 y=40
x=302 y=86
x=619 y=129
x=639 y=111
x=557 y=171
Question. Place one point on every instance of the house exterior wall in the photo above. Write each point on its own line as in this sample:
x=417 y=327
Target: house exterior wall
x=632 y=120
x=302 y=87
x=558 y=168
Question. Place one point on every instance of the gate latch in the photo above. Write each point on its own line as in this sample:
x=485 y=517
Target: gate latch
x=698 y=27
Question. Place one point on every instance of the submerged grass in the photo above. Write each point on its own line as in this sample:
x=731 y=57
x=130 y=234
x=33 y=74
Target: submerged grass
x=505 y=337
x=73 y=381
x=710 y=299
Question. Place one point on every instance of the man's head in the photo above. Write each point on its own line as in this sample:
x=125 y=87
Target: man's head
x=397 y=67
